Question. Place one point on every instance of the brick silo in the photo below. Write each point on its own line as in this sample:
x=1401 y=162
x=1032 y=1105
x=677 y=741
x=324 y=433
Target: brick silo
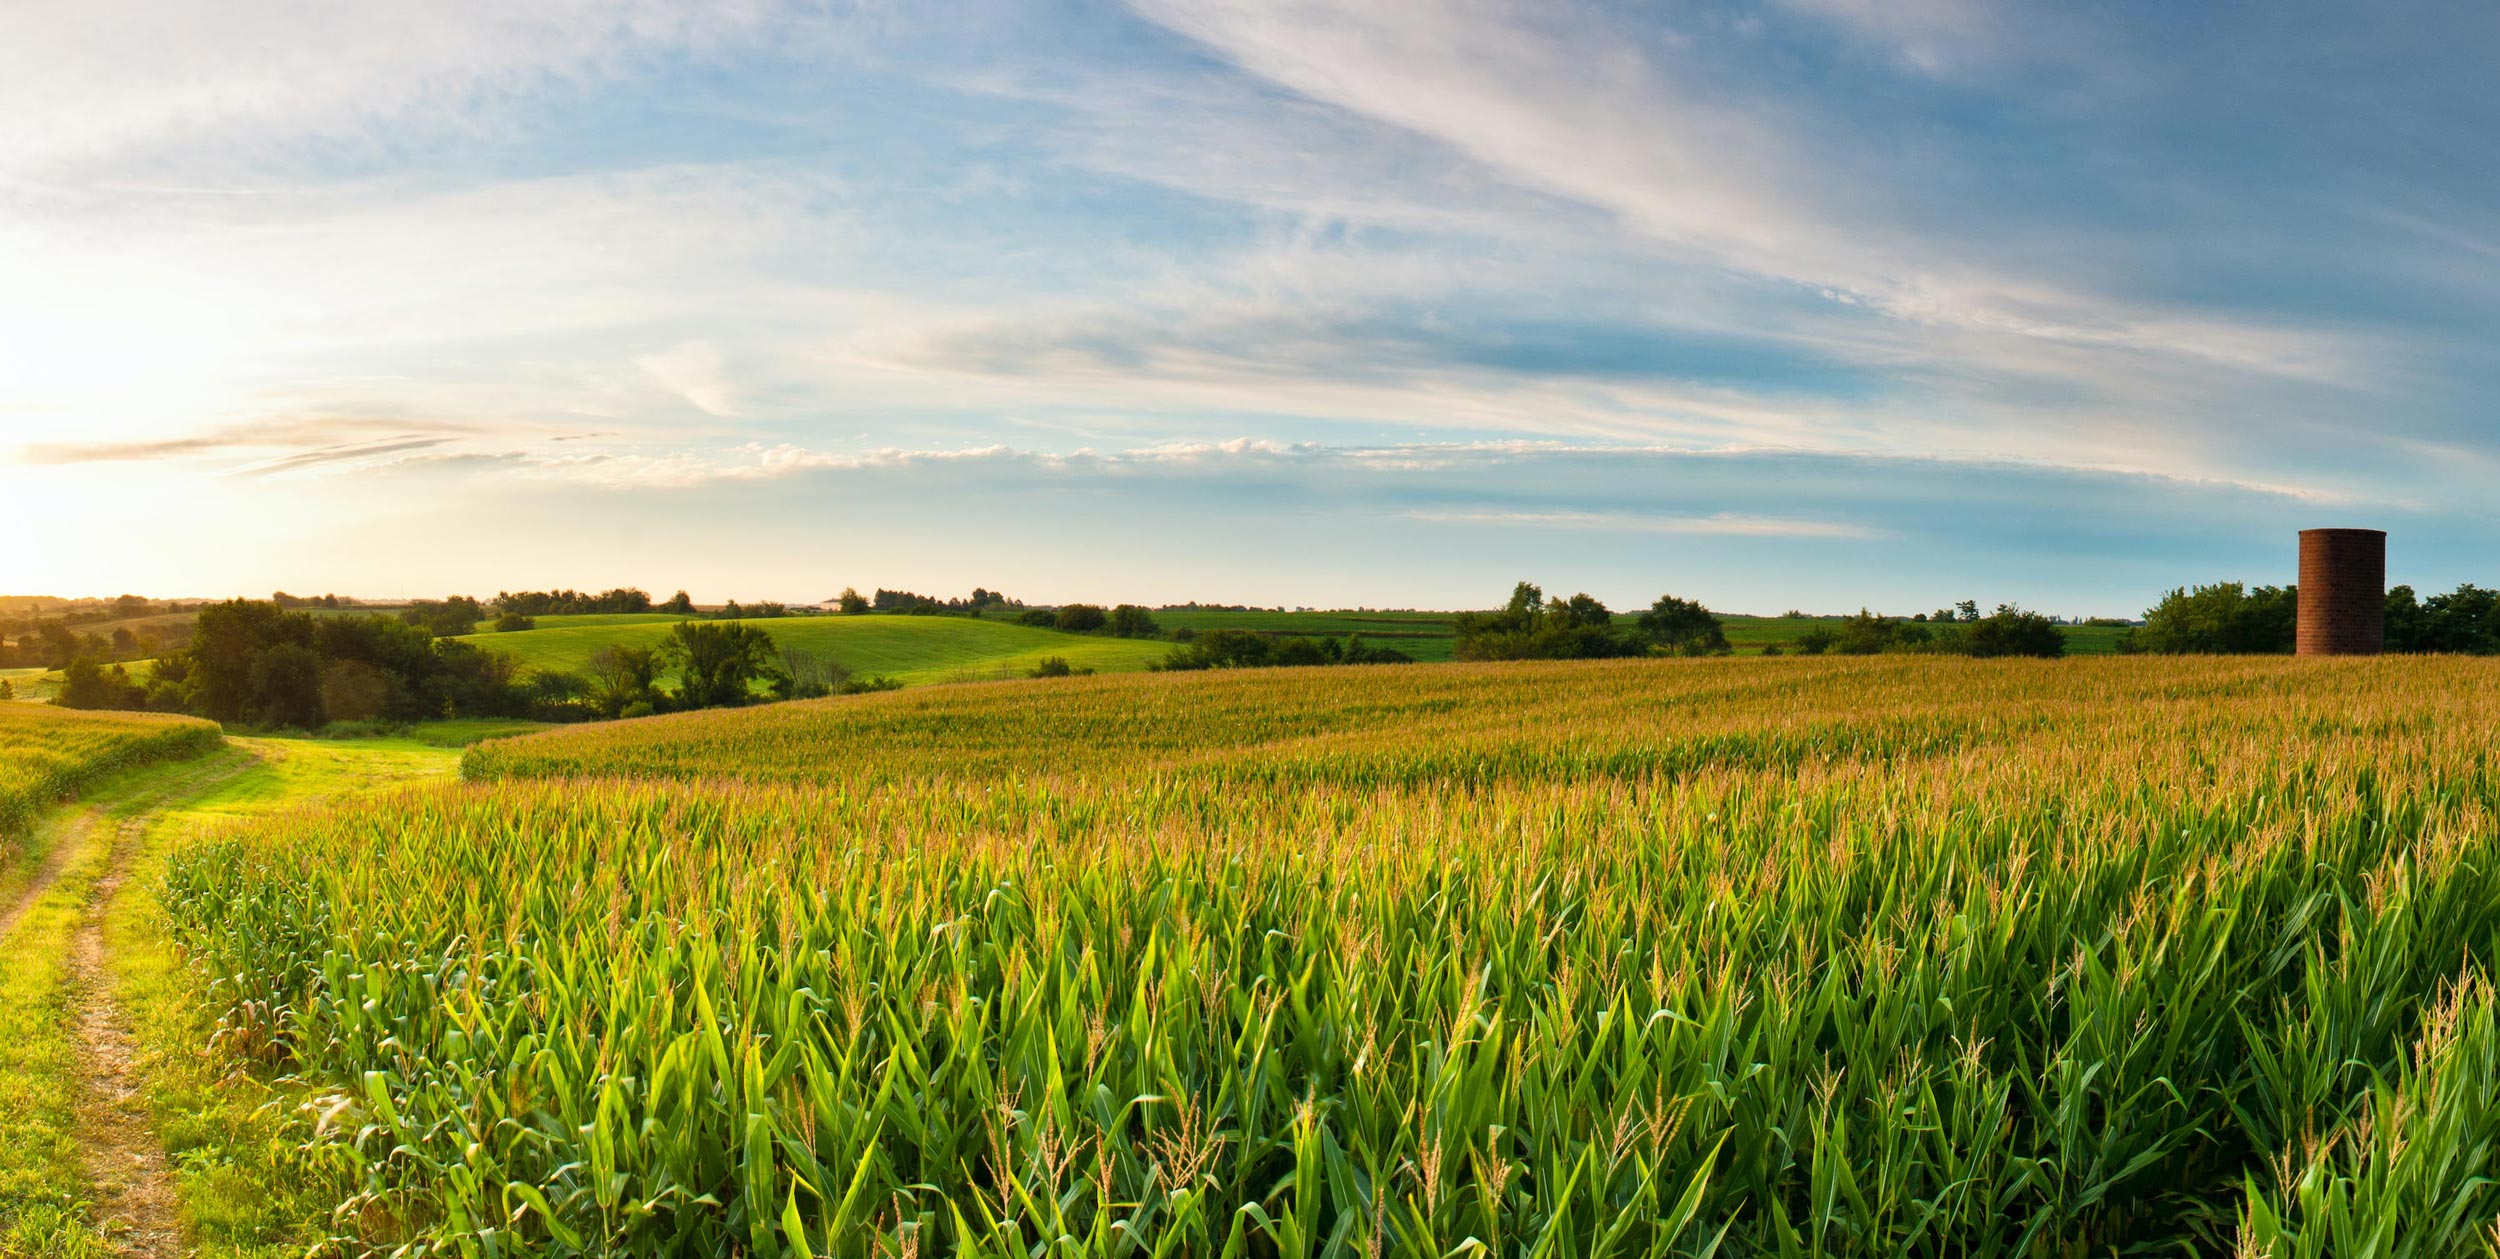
x=2343 y=592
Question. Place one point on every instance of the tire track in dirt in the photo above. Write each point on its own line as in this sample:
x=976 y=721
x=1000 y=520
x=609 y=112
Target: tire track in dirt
x=67 y=842
x=137 y=1202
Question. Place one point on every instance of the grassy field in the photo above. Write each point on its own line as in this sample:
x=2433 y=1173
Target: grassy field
x=1887 y=956
x=911 y=649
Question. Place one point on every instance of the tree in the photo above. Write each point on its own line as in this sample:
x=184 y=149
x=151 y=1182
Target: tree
x=1532 y=627
x=59 y=643
x=89 y=685
x=1052 y=667
x=1038 y=618
x=805 y=675
x=2010 y=631
x=1131 y=621
x=623 y=676
x=352 y=690
x=1081 y=618
x=451 y=618
x=2224 y=617
x=2465 y=620
x=852 y=603
x=225 y=641
x=286 y=687
x=1862 y=635
x=1683 y=626
x=680 y=603
x=721 y=661
x=514 y=622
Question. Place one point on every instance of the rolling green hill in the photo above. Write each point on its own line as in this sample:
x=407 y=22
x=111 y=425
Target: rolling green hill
x=910 y=649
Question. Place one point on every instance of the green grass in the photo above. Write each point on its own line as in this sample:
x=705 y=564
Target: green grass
x=912 y=649
x=577 y=621
x=32 y=685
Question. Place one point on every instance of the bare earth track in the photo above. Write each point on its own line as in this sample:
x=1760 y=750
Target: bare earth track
x=136 y=1203
x=71 y=840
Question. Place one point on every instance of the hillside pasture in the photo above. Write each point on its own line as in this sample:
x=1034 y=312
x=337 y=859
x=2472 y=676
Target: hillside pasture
x=914 y=650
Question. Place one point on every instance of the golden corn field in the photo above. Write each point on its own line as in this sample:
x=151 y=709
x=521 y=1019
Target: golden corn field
x=1890 y=956
x=46 y=752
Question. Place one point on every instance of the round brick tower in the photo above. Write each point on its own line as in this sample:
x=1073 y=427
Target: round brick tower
x=2343 y=592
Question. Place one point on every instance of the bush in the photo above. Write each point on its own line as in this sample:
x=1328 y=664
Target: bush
x=2225 y=617
x=1038 y=618
x=1816 y=641
x=2010 y=631
x=1051 y=667
x=1249 y=649
x=1081 y=618
x=1131 y=621
x=1531 y=627
x=514 y=622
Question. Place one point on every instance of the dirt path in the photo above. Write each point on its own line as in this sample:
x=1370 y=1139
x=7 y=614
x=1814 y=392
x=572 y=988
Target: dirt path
x=137 y=1203
x=68 y=842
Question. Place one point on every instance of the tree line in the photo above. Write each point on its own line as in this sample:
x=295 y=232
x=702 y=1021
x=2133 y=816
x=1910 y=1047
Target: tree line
x=1532 y=626
x=253 y=662
x=2228 y=617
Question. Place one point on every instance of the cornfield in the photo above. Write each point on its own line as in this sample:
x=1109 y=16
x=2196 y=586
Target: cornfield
x=47 y=753
x=1897 y=956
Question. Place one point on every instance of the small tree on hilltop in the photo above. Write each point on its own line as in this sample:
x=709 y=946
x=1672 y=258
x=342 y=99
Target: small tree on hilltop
x=1683 y=626
x=852 y=602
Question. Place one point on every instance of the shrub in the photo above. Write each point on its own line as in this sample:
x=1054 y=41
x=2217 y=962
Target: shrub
x=1081 y=618
x=2224 y=617
x=1131 y=621
x=1531 y=627
x=2010 y=631
x=1038 y=618
x=514 y=622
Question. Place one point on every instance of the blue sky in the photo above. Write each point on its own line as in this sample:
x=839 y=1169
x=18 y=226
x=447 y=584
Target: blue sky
x=1812 y=303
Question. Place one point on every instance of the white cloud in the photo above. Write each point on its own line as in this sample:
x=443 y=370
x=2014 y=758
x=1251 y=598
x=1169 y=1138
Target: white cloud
x=89 y=85
x=694 y=371
x=1721 y=523
x=1554 y=98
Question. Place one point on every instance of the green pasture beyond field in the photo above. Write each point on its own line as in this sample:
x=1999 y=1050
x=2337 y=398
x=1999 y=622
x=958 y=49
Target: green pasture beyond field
x=910 y=649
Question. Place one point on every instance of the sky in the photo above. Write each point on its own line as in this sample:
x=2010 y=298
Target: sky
x=1807 y=304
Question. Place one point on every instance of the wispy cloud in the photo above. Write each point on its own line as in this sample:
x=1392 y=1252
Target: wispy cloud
x=316 y=439
x=1722 y=524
